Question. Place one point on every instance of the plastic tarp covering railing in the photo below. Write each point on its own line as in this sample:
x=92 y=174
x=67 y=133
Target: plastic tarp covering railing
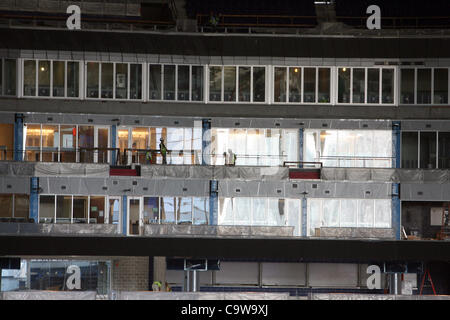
x=16 y=168
x=242 y=231
x=49 y=228
x=150 y=295
x=71 y=169
x=358 y=296
x=357 y=233
x=214 y=172
x=48 y=295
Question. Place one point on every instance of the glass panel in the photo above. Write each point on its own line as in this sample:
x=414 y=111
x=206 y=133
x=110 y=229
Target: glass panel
x=259 y=211
x=1 y=81
x=59 y=77
x=86 y=143
x=168 y=210
x=169 y=82
x=295 y=84
x=200 y=211
x=387 y=89
x=294 y=214
x=407 y=86
x=80 y=209
x=114 y=211
x=68 y=135
x=184 y=210
x=280 y=85
x=33 y=141
x=9 y=86
x=215 y=83
x=328 y=148
x=349 y=209
x=21 y=206
x=197 y=83
x=29 y=78
x=290 y=145
x=155 y=82
x=63 y=209
x=382 y=213
x=382 y=147
x=229 y=83
x=102 y=144
x=183 y=82
x=310 y=144
x=46 y=209
x=309 y=85
x=175 y=139
x=242 y=215
x=140 y=141
x=440 y=86
x=6 y=203
x=96 y=210
x=134 y=216
x=444 y=150
x=428 y=150
x=50 y=143
x=73 y=81
x=423 y=86
x=135 y=81
x=276 y=212
x=122 y=135
x=259 y=84
x=324 y=85
x=244 y=83
x=151 y=210
x=410 y=150
x=373 y=85
x=225 y=211
x=44 y=78
x=343 y=85
x=314 y=215
x=359 y=82
x=365 y=213
x=121 y=81
x=331 y=212
x=107 y=80
x=92 y=80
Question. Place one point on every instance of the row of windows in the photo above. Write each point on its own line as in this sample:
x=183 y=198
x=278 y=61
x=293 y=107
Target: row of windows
x=425 y=149
x=239 y=84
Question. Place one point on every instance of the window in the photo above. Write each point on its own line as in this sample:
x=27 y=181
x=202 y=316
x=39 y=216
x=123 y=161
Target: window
x=425 y=149
x=309 y=85
x=44 y=78
x=121 y=81
x=155 y=82
x=215 y=83
x=73 y=79
x=440 y=86
x=295 y=84
x=407 y=86
x=387 y=91
x=410 y=149
x=423 y=86
x=107 y=78
x=183 y=83
x=29 y=77
x=343 y=85
x=59 y=78
x=135 y=81
x=373 y=85
x=47 y=207
x=92 y=79
x=197 y=83
x=324 y=85
x=280 y=85
x=169 y=82
x=9 y=77
x=259 y=84
x=244 y=84
x=229 y=83
x=359 y=82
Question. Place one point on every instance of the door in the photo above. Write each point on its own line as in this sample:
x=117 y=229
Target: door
x=101 y=142
x=134 y=216
x=114 y=212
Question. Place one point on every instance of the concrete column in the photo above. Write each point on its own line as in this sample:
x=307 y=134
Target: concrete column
x=34 y=198
x=396 y=144
x=213 y=202
x=300 y=146
x=304 y=219
x=396 y=210
x=18 y=137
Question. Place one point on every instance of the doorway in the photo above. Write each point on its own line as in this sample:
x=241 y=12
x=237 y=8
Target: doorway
x=134 y=216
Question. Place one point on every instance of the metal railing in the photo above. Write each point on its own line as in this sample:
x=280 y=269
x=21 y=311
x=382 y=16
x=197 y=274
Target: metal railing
x=355 y=162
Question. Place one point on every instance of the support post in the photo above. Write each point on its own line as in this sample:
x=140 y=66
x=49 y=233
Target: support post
x=396 y=144
x=34 y=199
x=396 y=211
x=304 y=219
x=300 y=147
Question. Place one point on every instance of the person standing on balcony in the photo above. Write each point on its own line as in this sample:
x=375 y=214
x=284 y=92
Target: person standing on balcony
x=163 y=150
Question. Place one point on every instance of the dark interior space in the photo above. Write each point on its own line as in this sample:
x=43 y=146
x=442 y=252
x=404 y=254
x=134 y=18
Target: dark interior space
x=422 y=219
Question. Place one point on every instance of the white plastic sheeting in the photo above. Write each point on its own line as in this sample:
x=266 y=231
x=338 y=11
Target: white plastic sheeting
x=71 y=169
x=358 y=296
x=149 y=295
x=48 y=295
x=46 y=228
x=357 y=233
x=14 y=168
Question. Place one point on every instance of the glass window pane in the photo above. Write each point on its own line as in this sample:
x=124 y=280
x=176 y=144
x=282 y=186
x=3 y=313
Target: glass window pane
x=136 y=81
x=46 y=209
x=309 y=85
x=215 y=83
x=169 y=82
x=155 y=82
x=441 y=86
x=151 y=210
x=32 y=133
x=73 y=79
x=259 y=84
x=80 y=209
x=86 y=143
x=331 y=212
x=276 y=212
x=96 y=210
x=63 y=209
x=59 y=77
x=200 y=212
x=244 y=83
x=92 y=80
x=324 y=85
x=365 y=213
x=295 y=83
x=328 y=148
x=225 y=211
x=314 y=215
x=294 y=214
x=183 y=82
x=407 y=86
x=68 y=136
x=410 y=150
x=359 y=82
x=1 y=80
x=29 y=78
x=344 y=85
x=310 y=146
x=184 y=210
x=114 y=211
x=259 y=211
x=121 y=81
x=423 y=86
x=349 y=209
x=50 y=143
x=9 y=86
x=21 y=206
x=6 y=203
x=44 y=78
x=107 y=80
x=444 y=150
x=280 y=85
x=373 y=85
x=197 y=83
x=382 y=213
x=428 y=150
x=242 y=209
x=229 y=84
x=168 y=210
x=387 y=88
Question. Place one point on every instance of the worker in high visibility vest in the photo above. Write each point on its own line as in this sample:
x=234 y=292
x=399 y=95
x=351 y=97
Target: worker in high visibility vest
x=156 y=286
x=163 y=150
x=148 y=157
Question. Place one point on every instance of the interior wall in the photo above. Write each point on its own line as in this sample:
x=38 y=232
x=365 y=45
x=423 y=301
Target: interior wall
x=416 y=218
x=7 y=139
